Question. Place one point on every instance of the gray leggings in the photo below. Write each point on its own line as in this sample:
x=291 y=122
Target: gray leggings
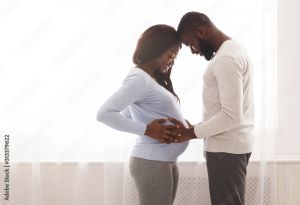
x=156 y=181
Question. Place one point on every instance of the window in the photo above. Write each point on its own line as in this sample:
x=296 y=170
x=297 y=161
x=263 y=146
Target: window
x=62 y=60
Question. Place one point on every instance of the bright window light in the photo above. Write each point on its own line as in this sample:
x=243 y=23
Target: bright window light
x=60 y=60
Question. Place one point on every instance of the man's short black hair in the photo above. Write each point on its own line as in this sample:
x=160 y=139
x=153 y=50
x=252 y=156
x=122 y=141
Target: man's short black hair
x=191 y=20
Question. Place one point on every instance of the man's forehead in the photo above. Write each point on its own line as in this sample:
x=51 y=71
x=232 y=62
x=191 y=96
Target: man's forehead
x=184 y=39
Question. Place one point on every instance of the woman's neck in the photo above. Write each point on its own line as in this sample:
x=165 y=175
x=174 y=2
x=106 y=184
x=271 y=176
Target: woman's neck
x=147 y=68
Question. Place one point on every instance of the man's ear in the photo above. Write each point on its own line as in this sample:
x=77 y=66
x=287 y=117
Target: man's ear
x=200 y=32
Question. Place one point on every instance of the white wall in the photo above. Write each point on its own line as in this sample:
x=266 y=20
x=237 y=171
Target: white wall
x=288 y=77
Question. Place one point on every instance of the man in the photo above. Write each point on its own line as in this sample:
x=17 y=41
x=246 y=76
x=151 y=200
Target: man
x=227 y=127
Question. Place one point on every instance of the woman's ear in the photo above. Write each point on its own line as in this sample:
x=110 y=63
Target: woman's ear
x=200 y=32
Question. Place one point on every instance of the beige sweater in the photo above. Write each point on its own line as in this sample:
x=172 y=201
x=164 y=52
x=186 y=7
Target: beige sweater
x=228 y=102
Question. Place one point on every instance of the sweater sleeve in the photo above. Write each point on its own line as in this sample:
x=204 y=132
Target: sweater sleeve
x=113 y=111
x=228 y=73
x=126 y=113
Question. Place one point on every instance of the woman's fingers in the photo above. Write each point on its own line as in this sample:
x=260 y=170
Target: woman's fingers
x=165 y=133
x=169 y=127
x=174 y=120
x=160 y=121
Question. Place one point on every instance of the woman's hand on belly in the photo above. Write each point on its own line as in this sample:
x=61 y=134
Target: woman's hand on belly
x=158 y=131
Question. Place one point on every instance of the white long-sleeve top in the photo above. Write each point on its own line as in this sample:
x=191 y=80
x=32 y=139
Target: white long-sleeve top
x=228 y=102
x=138 y=101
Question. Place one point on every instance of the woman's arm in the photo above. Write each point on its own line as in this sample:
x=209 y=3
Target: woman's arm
x=114 y=112
x=133 y=89
x=126 y=113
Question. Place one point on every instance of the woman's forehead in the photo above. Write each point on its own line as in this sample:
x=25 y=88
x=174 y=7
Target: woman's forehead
x=174 y=48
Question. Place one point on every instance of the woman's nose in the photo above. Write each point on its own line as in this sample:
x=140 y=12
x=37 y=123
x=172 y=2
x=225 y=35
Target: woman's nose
x=171 y=61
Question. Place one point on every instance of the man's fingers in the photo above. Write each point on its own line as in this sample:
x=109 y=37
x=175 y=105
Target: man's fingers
x=169 y=139
x=166 y=139
x=172 y=133
x=189 y=124
x=169 y=132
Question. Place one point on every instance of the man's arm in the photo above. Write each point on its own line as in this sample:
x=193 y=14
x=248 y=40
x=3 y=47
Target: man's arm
x=228 y=73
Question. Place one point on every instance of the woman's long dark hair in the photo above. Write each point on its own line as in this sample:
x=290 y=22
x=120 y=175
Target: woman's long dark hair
x=153 y=43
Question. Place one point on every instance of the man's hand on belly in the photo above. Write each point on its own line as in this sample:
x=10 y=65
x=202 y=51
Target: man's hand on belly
x=180 y=133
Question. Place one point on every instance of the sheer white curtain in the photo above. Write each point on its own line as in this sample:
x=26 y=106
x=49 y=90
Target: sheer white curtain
x=60 y=60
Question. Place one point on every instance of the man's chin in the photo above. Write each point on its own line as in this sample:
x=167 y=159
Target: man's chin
x=208 y=57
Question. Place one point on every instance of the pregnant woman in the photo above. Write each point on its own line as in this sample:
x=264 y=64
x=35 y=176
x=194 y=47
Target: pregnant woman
x=147 y=94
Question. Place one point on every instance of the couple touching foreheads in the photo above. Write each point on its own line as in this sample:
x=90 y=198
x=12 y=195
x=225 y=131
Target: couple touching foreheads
x=147 y=105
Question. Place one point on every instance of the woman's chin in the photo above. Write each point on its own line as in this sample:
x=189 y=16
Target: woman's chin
x=163 y=70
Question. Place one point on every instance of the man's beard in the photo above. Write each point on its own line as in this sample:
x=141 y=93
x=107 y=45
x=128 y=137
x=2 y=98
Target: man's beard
x=206 y=49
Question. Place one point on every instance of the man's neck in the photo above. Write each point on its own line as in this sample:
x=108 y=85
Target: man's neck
x=219 y=39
